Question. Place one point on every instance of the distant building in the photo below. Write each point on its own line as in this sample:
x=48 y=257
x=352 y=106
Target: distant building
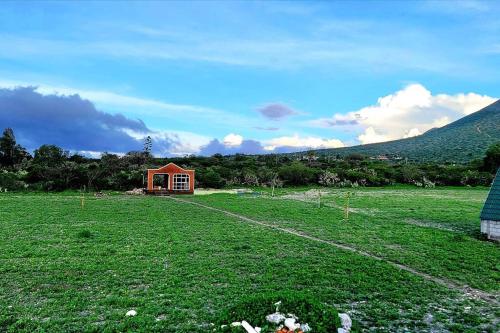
x=490 y=215
x=380 y=158
x=170 y=179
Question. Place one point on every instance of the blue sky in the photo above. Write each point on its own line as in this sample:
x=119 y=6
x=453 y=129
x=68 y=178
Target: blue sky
x=251 y=77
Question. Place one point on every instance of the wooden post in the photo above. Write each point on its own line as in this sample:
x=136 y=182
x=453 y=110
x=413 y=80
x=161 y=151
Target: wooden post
x=83 y=198
x=348 y=194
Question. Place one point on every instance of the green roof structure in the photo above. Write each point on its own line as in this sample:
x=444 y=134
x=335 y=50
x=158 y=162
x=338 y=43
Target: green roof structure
x=491 y=209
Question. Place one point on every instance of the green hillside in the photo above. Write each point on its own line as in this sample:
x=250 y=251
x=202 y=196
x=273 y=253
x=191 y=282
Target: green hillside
x=461 y=141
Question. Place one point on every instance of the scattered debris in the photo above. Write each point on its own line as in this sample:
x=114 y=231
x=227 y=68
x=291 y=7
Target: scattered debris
x=249 y=328
x=99 y=194
x=135 y=191
x=131 y=313
x=291 y=325
x=345 y=321
x=161 y=317
x=305 y=328
x=275 y=318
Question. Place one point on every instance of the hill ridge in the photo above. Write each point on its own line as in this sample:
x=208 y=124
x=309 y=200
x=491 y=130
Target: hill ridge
x=458 y=142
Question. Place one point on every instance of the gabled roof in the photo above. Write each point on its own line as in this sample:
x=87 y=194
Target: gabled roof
x=491 y=209
x=171 y=167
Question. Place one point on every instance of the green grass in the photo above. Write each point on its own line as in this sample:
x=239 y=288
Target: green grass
x=433 y=230
x=63 y=268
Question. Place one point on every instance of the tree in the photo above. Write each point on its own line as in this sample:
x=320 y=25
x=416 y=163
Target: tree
x=311 y=156
x=296 y=174
x=148 y=146
x=50 y=156
x=210 y=178
x=7 y=146
x=10 y=152
x=491 y=161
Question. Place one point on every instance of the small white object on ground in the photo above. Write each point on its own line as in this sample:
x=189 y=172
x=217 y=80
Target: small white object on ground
x=235 y=324
x=346 y=321
x=277 y=305
x=275 y=318
x=135 y=191
x=290 y=323
x=305 y=328
x=131 y=313
x=249 y=328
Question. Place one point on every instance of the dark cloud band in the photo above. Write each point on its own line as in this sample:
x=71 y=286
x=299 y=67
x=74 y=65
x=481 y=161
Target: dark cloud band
x=67 y=121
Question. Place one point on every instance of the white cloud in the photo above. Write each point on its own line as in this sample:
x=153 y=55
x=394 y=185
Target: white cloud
x=297 y=141
x=181 y=142
x=232 y=140
x=408 y=112
x=370 y=136
x=413 y=132
x=443 y=121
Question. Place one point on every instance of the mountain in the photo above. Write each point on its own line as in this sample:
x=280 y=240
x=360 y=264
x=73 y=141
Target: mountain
x=458 y=142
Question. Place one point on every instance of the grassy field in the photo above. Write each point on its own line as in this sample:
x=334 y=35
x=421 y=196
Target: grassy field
x=64 y=268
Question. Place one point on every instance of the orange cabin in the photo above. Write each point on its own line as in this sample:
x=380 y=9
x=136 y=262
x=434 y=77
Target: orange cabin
x=170 y=179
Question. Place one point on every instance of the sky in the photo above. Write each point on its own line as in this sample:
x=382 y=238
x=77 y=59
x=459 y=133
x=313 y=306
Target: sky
x=242 y=77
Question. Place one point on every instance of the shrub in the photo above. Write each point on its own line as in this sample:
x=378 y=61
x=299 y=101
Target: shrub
x=84 y=234
x=297 y=174
x=327 y=178
x=210 y=178
x=11 y=181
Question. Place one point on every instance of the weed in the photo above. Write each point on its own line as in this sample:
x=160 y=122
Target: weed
x=84 y=234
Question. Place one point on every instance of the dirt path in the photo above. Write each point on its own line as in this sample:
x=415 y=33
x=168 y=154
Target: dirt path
x=466 y=290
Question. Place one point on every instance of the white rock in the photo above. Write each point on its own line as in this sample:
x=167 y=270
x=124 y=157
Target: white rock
x=290 y=323
x=131 y=313
x=305 y=328
x=277 y=305
x=249 y=328
x=346 y=321
x=275 y=318
x=235 y=324
x=341 y=330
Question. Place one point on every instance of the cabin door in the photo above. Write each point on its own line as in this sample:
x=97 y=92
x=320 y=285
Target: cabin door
x=161 y=181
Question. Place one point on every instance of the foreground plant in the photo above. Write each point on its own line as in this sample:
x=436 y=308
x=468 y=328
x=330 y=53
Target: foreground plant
x=284 y=313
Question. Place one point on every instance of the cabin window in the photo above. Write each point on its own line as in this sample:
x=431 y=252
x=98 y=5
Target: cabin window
x=181 y=182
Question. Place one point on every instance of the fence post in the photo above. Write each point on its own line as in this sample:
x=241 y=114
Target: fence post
x=348 y=195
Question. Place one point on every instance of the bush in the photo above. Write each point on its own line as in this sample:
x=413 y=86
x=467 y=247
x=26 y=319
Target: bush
x=297 y=174
x=11 y=181
x=320 y=317
x=84 y=234
x=327 y=178
x=210 y=178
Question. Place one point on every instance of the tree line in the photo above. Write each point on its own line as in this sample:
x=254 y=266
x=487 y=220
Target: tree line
x=51 y=168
